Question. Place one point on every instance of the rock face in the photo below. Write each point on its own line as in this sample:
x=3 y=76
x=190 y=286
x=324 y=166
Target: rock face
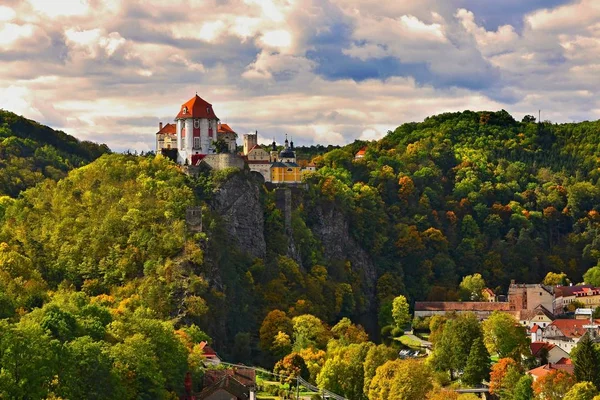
x=332 y=227
x=237 y=201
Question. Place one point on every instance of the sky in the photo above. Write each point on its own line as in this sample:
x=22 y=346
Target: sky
x=320 y=71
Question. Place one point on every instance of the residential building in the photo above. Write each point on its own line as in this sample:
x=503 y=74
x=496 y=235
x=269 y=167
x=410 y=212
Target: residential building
x=229 y=384
x=566 y=333
x=564 y=365
x=547 y=352
x=539 y=316
x=360 y=154
x=529 y=296
x=565 y=295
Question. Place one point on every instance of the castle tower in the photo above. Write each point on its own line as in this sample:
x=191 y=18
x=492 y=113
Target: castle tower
x=273 y=152
x=196 y=130
x=250 y=140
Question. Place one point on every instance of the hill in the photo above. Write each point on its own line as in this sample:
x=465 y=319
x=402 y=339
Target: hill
x=30 y=152
x=101 y=261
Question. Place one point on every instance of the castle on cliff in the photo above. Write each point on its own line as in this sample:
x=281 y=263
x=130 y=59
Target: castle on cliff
x=197 y=136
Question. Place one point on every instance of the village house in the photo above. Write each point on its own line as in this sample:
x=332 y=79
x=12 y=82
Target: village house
x=539 y=316
x=229 y=384
x=562 y=365
x=566 y=333
x=529 y=296
x=547 y=352
x=565 y=295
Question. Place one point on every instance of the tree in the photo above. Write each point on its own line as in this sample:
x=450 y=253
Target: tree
x=309 y=331
x=290 y=367
x=555 y=279
x=376 y=356
x=523 y=389
x=343 y=370
x=582 y=391
x=401 y=380
x=553 y=386
x=400 y=311
x=478 y=364
x=471 y=287
x=452 y=349
x=586 y=361
x=504 y=377
x=276 y=321
x=502 y=335
x=592 y=276
x=221 y=146
x=347 y=333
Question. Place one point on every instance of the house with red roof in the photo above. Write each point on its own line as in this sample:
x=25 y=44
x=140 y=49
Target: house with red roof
x=566 y=333
x=209 y=354
x=544 y=370
x=360 y=154
x=547 y=352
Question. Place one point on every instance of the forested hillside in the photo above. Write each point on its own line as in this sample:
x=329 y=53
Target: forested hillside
x=99 y=265
x=30 y=152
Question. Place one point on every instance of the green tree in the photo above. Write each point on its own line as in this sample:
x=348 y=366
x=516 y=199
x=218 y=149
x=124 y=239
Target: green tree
x=478 y=364
x=276 y=321
x=452 y=349
x=503 y=336
x=582 y=391
x=309 y=331
x=586 y=361
x=592 y=276
x=523 y=388
x=343 y=370
x=400 y=311
x=471 y=287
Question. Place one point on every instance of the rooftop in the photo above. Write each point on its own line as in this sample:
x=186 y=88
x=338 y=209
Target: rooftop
x=196 y=107
x=461 y=306
x=548 y=368
x=168 y=129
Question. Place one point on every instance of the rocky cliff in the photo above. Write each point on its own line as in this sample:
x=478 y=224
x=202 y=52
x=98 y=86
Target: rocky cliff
x=238 y=202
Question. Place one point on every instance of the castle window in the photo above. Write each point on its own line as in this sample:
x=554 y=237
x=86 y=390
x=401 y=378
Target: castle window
x=196 y=143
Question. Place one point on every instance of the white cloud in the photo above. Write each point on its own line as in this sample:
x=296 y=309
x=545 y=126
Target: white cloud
x=285 y=66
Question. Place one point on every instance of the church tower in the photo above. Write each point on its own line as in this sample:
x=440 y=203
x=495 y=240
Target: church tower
x=196 y=130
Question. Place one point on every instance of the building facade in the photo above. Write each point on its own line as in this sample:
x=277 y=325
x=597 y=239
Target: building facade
x=194 y=133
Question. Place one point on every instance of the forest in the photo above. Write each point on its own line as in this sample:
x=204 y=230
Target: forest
x=100 y=278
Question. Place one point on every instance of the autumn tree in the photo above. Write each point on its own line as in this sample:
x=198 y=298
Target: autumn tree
x=400 y=380
x=309 y=331
x=343 y=371
x=376 y=356
x=276 y=321
x=504 y=377
x=555 y=279
x=592 y=276
x=290 y=367
x=553 y=386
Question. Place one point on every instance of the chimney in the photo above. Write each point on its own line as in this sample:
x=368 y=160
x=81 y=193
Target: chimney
x=160 y=126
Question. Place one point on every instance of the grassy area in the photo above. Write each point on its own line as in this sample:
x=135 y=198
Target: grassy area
x=408 y=341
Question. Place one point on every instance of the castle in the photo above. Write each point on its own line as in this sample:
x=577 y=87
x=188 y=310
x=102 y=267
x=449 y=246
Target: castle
x=197 y=136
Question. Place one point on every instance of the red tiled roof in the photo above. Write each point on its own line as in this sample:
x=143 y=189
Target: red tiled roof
x=569 y=290
x=207 y=350
x=460 y=306
x=224 y=128
x=548 y=368
x=196 y=108
x=571 y=328
x=564 y=361
x=535 y=329
x=361 y=152
x=536 y=347
x=168 y=129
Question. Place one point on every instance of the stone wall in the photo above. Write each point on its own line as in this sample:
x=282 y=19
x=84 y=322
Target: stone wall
x=223 y=161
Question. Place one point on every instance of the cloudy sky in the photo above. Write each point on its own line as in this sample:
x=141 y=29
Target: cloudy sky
x=322 y=71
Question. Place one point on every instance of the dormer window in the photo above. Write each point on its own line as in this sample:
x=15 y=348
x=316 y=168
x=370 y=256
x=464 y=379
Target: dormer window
x=185 y=110
x=208 y=110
